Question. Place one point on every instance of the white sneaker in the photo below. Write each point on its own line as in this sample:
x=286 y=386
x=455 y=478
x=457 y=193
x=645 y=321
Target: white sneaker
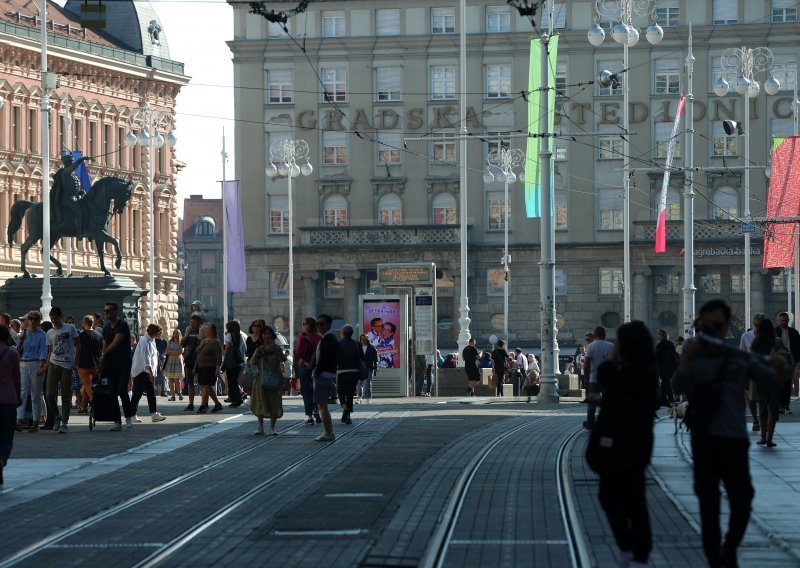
x=136 y=419
x=128 y=423
x=117 y=427
x=259 y=432
x=63 y=429
x=156 y=417
x=325 y=438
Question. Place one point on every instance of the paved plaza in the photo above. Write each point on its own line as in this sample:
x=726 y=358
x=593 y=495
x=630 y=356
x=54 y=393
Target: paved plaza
x=413 y=482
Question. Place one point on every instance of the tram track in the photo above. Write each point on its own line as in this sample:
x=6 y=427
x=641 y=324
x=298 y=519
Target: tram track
x=164 y=550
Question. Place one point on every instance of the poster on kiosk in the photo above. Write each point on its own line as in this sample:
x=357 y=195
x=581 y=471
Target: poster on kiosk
x=384 y=319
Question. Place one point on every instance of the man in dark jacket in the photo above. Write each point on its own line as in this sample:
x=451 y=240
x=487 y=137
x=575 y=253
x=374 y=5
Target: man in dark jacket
x=349 y=361
x=791 y=340
x=324 y=374
x=666 y=363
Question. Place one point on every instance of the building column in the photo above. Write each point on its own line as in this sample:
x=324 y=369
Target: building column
x=641 y=293
x=309 y=306
x=757 y=298
x=351 y=279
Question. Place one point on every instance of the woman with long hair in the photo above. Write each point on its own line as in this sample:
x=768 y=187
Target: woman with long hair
x=267 y=402
x=174 y=367
x=207 y=364
x=621 y=442
x=32 y=366
x=766 y=343
x=303 y=352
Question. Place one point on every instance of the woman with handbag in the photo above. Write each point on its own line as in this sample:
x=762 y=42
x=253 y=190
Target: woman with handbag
x=207 y=364
x=266 y=400
x=621 y=442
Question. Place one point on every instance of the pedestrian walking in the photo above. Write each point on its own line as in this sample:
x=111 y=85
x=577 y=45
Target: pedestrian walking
x=349 y=362
x=745 y=342
x=714 y=376
x=370 y=357
x=61 y=343
x=173 y=368
x=115 y=363
x=666 y=363
x=190 y=341
x=597 y=352
x=144 y=369
x=769 y=393
x=470 y=357
x=87 y=357
x=10 y=396
x=32 y=367
x=791 y=340
x=621 y=444
x=233 y=359
x=324 y=375
x=161 y=379
x=499 y=366
x=266 y=400
x=207 y=365
x=304 y=351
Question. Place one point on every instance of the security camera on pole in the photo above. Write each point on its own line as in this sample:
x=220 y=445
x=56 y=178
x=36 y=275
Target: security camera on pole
x=748 y=63
x=624 y=32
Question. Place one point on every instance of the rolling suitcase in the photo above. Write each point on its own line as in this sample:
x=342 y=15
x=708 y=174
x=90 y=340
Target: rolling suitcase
x=104 y=399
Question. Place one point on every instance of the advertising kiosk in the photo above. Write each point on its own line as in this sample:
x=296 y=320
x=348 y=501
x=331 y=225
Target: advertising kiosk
x=384 y=319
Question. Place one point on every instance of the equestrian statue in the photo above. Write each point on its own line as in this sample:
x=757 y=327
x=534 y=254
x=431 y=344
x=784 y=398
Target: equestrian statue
x=73 y=213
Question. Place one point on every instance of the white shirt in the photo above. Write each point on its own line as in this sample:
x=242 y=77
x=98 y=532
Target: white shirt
x=534 y=365
x=145 y=358
x=747 y=340
x=522 y=361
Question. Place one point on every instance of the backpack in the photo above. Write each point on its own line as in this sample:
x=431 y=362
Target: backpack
x=704 y=401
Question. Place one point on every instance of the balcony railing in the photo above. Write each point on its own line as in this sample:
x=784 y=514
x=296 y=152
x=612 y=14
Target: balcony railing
x=704 y=230
x=404 y=235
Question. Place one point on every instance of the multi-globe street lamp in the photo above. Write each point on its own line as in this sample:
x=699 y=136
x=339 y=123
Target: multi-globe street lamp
x=748 y=63
x=505 y=161
x=151 y=138
x=284 y=157
x=624 y=32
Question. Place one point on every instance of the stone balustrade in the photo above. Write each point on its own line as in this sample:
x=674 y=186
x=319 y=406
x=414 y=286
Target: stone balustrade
x=704 y=230
x=383 y=236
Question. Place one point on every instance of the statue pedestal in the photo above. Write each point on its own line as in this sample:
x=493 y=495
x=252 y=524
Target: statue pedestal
x=77 y=296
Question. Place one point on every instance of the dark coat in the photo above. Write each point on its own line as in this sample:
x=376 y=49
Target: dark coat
x=794 y=343
x=666 y=359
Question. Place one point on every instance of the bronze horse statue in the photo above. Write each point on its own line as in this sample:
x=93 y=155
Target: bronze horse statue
x=97 y=214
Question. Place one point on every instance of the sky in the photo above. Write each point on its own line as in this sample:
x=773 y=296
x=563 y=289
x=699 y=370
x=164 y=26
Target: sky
x=196 y=31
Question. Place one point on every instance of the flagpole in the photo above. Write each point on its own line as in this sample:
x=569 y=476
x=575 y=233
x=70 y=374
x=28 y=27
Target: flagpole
x=688 y=201
x=224 y=235
x=47 y=297
x=68 y=124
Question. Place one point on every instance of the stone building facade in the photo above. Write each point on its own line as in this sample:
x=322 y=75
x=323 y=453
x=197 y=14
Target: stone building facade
x=103 y=81
x=392 y=73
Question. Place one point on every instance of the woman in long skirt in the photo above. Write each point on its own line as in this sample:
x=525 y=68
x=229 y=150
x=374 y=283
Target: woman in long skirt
x=267 y=403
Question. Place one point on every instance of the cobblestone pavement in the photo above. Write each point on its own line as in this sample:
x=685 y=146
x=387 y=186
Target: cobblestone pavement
x=413 y=482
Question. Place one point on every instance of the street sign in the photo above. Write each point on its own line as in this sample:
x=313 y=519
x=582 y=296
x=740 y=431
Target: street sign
x=748 y=228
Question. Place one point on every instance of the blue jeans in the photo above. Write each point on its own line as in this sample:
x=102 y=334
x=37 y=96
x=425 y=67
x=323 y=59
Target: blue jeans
x=306 y=388
x=32 y=384
x=365 y=386
x=591 y=410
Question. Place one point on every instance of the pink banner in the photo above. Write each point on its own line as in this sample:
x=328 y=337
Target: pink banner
x=783 y=200
x=661 y=228
x=234 y=238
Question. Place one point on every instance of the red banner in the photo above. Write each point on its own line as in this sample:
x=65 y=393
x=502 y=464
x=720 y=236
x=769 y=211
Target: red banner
x=783 y=201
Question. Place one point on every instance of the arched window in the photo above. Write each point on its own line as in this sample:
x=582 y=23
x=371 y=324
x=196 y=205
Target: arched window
x=389 y=210
x=335 y=209
x=204 y=227
x=444 y=209
x=726 y=203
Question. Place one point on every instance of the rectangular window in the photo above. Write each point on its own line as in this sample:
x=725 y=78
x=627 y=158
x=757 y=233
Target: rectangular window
x=443 y=147
x=717 y=71
x=724 y=145
x=387 y=22
x=497 y=139
x=667 y=283
x=279 y=215
x=667 y=80
x=610 y=144
x=389 y=145
x=16 y=129
x=559 y=16
x=332 y=23
x=610 y=209
x=667 y=13
x=663 y=131
x=123 y=150
x=561 y=77
x=32 y=138
x=280 y=86
x=137 y=231
x=443 y=20
x=444 y=210
x=279 y=285
x=784 y=11
x=443 y=82
x=108 y=147
x=334 y=148
x=93 y=138
x=388 y=83
x=560 y=203
x=610 y=281
x=334 y=79
x=498 y=210
x=710 y=282
x=498 y=19
x=737 y=280
x=498 y=81
x=725 y=12
x=784 y=69
x=615 y=88
x=62 y=133
x=495 y=281
x=336 y=211
x=77 y=131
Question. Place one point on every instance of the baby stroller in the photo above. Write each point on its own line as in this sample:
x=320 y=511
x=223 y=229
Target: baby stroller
x=104 y=399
